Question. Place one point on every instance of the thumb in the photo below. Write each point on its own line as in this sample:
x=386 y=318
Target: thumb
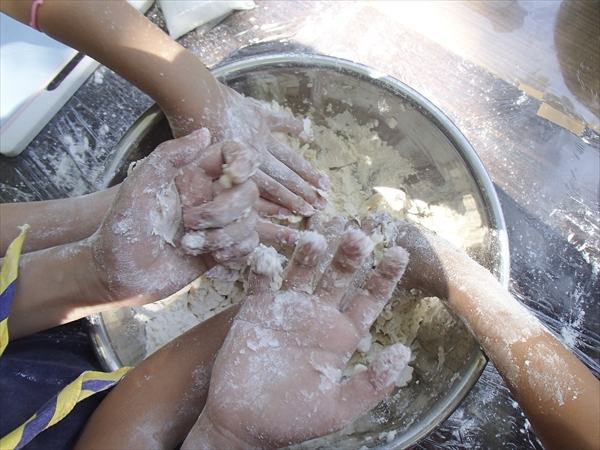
x=182 y=151
x=163 y=164
x=366 y=389
x=241 y=162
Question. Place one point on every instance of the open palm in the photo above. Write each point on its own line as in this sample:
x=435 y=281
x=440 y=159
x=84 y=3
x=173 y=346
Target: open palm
x=278 y=377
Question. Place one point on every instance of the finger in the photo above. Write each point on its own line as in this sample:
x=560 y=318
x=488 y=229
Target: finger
x=241 y=163
x=213 y=239
x=277 y=121
x=184 y=150
x=299 y=165
x=221 y=272
x=369 y=224
x=265 y=264
x=357 y=281
x=210 y=161
x=231 y=162
x=315 y=222
x=382 y=229
x=353 y=223
x=291 y=180
x=195 y=181
x=365 y=390
x=226 y=207
x=266 y=208
x=239 y=251
x=276 y=234
x=166 y=160
x=365 y=307
x=275 y=192
x=300 y=273
x=360 y=276
x=194 y=186
x=333 y=231
x=354 y=247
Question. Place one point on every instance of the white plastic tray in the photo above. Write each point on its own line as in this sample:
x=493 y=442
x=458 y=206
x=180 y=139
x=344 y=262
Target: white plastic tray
x=29 y=92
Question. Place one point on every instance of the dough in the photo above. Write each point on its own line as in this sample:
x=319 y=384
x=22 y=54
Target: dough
x=367 y=177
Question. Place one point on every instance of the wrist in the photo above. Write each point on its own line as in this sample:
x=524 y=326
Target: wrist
x=206 y=435
x=189 y=95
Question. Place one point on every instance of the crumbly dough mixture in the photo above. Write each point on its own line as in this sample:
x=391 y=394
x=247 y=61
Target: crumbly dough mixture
x=367 y=176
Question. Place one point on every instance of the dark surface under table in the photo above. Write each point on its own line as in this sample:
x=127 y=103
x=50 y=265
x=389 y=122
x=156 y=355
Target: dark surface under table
x=492 y=68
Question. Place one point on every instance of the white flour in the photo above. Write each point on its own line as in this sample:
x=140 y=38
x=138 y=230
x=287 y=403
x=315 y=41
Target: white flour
x=366 y=175
x=363 y=171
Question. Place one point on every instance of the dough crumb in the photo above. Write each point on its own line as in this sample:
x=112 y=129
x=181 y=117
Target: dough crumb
x=266 y=261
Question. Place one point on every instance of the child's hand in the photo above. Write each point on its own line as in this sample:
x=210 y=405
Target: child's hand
x=285 y=180
x=138 y=249
x=434 y=261
x=277 y=379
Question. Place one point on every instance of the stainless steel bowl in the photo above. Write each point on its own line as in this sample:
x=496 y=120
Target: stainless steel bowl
x=303 y=81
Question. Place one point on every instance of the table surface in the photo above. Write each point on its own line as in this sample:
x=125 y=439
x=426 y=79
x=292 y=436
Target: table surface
x=519 y=79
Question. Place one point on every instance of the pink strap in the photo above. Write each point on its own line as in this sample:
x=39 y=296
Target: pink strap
x=33 y=14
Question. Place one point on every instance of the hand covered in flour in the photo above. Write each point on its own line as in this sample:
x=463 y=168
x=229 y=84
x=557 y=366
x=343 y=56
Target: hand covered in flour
x=559 y=395
x=287 y=183
x=433 y=260
x=172 y=211
x=278 y=378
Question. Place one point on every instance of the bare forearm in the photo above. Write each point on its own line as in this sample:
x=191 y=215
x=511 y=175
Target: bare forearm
x=55 y=286
x=110 y=31
x=163 y=396
x=559 y=395
x=54 y=222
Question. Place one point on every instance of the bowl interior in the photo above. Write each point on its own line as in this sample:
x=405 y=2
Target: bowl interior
x=444 y=171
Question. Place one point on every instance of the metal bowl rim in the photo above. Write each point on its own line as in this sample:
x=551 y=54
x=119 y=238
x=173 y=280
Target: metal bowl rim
x=459 y=391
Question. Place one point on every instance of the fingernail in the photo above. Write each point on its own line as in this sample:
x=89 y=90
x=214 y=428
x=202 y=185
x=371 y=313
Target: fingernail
x=310 y=247
x=265 y=261
x=306 y=210
x=202 y=134
x=321 y=203
x=356 y=244
x=394 y=262
x=193 y=243
x=292 y=239
x=222 y=255
x=324 y=183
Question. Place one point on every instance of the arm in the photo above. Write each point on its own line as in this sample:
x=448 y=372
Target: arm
x=165 y=393
x=118 y=36
x=277 y=378
x=558 y=394
x=54 y=222
x=135 y=256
